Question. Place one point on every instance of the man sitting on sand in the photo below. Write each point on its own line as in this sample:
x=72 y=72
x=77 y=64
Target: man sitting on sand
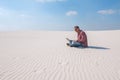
x=81 y=39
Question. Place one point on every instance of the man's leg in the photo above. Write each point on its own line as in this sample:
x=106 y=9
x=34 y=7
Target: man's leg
x=70 y=42
x=75 y=44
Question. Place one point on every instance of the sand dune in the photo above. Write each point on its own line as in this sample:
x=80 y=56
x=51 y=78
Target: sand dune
x=43 y=55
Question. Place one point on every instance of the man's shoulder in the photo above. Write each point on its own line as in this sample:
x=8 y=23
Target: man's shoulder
x=82 y=32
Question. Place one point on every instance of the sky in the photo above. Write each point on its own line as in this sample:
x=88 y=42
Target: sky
x=59 y=14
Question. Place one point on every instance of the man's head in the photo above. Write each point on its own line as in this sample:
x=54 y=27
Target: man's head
x=76 y=28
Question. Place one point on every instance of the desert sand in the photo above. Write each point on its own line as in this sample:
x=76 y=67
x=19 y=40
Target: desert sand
x=43 y=55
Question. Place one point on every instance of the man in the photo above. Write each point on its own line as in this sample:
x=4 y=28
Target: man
x=81 y=39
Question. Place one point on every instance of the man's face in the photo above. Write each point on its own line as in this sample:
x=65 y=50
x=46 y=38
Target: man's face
x=76 y=29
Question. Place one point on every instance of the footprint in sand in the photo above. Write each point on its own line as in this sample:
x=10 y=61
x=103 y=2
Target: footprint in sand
x=16 y=58
x=40 y=71
x=119 y=74
x=63 y=63
x=2 y=74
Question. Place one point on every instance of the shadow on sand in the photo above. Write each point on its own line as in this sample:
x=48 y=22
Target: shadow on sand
x=95 y=47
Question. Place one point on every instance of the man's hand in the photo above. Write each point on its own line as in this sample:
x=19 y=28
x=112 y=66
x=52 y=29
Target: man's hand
x=68 y=39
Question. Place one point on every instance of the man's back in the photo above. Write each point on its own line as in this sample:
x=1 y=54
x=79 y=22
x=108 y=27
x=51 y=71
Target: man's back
x=82 y=38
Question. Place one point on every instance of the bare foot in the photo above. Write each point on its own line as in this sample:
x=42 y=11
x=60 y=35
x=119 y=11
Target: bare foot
x=67 y=44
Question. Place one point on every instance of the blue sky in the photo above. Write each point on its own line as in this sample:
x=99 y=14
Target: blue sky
x=59 y=14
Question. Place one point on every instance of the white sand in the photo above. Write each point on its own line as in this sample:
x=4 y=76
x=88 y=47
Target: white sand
x=43 y=55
